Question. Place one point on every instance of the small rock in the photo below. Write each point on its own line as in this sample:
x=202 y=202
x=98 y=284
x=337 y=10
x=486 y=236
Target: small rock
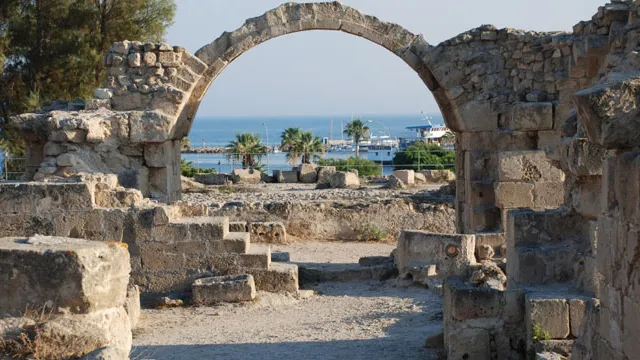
x=167 y=303
x=280 y=256
x=485 y=252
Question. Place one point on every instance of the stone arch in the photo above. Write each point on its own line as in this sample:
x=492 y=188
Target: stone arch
x=291 y=18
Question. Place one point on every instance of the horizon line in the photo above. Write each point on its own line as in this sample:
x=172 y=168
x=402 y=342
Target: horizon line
x=328 y=115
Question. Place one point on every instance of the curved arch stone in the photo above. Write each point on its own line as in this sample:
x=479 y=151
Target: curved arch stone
x=291 y=18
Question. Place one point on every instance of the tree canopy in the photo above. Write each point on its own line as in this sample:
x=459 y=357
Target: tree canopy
x=53 y=49
x=358 y=132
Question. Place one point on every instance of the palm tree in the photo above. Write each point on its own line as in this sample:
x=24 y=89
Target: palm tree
x=247 y=148
x=308 y=146
x=358 y=132
x=290 y=138
x=448 y=137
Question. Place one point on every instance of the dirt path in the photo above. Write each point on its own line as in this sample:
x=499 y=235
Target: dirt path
x=355 y=320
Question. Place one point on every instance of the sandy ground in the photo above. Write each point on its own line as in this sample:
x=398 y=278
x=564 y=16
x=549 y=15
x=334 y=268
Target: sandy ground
x=329 y=252
x=355 y=320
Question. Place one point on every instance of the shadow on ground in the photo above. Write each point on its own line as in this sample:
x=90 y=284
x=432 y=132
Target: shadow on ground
x=403 y=338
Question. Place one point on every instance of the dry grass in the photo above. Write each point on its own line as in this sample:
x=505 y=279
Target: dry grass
x=40 y=342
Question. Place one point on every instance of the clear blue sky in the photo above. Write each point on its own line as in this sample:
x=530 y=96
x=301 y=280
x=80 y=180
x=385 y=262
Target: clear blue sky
x=327 y=72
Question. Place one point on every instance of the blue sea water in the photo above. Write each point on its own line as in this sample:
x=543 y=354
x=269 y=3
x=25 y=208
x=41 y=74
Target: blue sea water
x=219 y=131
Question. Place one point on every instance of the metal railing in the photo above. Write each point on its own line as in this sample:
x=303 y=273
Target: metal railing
x=13 y=168
x=343 y=161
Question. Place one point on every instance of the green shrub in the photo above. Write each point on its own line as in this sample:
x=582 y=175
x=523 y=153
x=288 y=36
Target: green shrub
x=539 y=334
x=187 y=169
x=421 y=156
x=370 y=232
x=364 y=167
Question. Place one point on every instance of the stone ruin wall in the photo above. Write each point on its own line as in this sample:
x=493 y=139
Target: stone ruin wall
x=508 y=94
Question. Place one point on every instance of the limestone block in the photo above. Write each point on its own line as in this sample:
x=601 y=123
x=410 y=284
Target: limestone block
x=531 y=117
x=548 y=195
x=478 y=116
x=149 y=127
x=149 y=58
x=106 y=353
x=289 y=177
x=238 y=226
x=132 y=305
x=109 y=327
x=438 y=176
x=527 y=166
x=551 y=315
x=451 y=254
x=499 y=140
x=214 y=290
x=280 y=256
x=607 y=112
x=160 y=155
x=342 y=179
x=268 y=232
x=135 y=60
x=246 y=176
x=53 y=149
x=325 y=173
x=307 y=174
x=44 y=198
x=72 y=275
x=468 y=343
x=213 y=179
x=494 y=240
x=510 y=195
x=464 y=301
x=279 y=278
x=395 y=183
x=406 y=176
x=113 y=199
x=485 y=252
x=77 y=136
x=577 y=311
x=420 y=178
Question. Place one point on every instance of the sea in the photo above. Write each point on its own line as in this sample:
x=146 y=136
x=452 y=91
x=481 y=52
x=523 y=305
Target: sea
x=218 y=131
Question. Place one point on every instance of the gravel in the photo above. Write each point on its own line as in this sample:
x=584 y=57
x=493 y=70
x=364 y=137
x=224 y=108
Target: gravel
x=354 y=320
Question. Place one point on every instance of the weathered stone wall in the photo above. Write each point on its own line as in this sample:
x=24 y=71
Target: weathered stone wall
x=344 y=220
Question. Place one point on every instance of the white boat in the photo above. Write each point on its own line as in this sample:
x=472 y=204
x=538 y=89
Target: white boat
x=382 y=149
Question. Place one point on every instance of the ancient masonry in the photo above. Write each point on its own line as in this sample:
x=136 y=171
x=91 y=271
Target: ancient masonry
x=547 y=176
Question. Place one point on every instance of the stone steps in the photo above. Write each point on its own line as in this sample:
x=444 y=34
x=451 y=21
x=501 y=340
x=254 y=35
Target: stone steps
x=540 y=264
x=279 y=278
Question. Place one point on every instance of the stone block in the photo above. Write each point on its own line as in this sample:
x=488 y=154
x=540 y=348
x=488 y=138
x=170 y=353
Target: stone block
x=289 y=177
x=132 y=305
x=232 y=288
x=531 y=117
x=451 y=254
x=342 y=179
x=511 y=195
x=551 y=315
x=468 y=343
x=160 y=155
x=527 y=166
x=438 y=176
x=499 y=141
x=577 y=312
x=62 y=274
x=246 y=176
x=420 y=178
x=406 y=176
x=478 y=116
x=280 y=256
x=279 y=278
x=307 y=174
x=325 y=173
x=213 y=179
x=465 y=302
x=106 y=327
x=268 y=232
x=149 y=127
x=238 y=226
x=44 y=198
x=548 y=195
